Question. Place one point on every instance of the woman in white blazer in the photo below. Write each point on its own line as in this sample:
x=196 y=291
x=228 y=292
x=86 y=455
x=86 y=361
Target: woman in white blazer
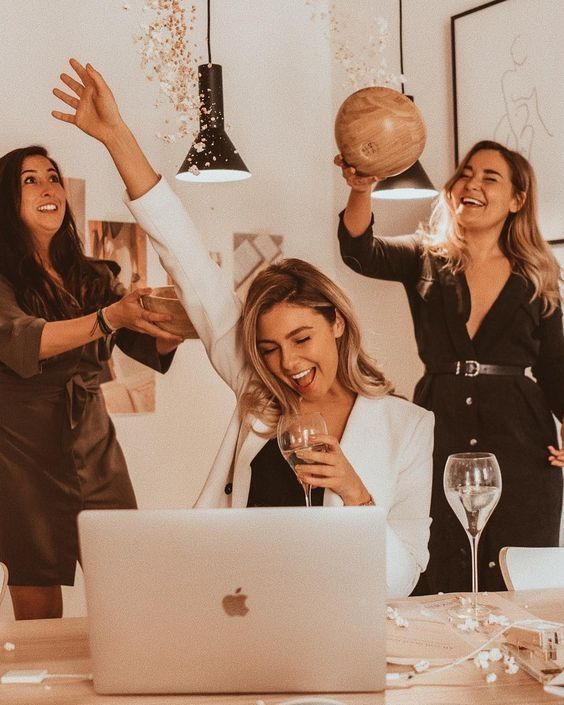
x=294 y=344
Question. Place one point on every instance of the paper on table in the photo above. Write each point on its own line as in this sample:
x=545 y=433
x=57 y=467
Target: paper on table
x=432 y=637
x=556 y=686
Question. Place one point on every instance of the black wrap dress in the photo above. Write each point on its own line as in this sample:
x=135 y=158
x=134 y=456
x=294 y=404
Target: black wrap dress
x=510 y=416
x=58 y=447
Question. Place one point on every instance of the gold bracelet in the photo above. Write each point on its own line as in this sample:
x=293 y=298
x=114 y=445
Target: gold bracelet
x=369 y=502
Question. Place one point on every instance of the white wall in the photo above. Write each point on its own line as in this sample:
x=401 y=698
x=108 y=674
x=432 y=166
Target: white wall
x=281 y=90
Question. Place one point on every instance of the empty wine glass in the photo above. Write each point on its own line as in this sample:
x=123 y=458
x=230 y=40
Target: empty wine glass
x=472 y=484
x=297 y=432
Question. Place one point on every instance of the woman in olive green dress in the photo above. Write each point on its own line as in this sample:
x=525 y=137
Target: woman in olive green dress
x=60 y=314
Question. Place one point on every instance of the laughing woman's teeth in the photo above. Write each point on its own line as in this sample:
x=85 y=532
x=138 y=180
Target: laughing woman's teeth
x=302 y=379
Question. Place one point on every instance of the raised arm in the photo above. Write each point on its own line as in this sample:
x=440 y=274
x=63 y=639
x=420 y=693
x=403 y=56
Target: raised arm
x=391 y=258
x=97 y=114
x=358 y=213
x=213 y=307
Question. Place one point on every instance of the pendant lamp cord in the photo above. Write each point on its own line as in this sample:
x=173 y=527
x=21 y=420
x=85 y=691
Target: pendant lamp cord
x=209 y=43
x=400 y=44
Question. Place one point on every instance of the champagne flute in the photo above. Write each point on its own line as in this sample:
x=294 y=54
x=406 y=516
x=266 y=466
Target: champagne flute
x=472 y=484
x=297 y=432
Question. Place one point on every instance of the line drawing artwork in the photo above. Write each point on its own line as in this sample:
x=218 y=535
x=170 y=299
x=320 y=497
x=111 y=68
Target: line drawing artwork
x=522 y=118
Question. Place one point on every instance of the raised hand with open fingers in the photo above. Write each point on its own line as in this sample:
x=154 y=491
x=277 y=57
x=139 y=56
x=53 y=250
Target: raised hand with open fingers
x=96 y=113
x=95 y=109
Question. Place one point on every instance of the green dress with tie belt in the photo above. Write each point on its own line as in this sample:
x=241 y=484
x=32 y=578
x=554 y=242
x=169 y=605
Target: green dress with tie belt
x=58 y=448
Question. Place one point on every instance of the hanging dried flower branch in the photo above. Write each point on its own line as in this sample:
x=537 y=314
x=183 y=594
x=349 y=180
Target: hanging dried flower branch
x=366 y=64
x=166 y=55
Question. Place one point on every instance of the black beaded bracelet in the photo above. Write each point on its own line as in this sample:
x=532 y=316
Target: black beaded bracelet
x=103 y=324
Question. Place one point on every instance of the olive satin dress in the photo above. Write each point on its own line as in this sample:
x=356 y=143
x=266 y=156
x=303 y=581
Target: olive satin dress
x=58 y=447
x=509 y=415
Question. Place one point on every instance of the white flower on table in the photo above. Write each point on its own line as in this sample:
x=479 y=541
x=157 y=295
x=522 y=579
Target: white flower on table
x=393 y=615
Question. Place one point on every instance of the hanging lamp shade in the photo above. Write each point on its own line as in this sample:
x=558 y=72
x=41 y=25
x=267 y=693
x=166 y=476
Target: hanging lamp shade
x=212 y=157
x=410 y=184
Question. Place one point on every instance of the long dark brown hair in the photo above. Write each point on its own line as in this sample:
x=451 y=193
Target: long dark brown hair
x=85 y=288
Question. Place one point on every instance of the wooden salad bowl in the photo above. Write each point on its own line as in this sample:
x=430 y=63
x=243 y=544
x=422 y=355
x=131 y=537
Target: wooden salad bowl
x=380 y=131
x=163 y=299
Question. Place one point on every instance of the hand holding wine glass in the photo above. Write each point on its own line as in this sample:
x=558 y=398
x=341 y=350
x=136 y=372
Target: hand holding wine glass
x=472 y=484
x=297 y=432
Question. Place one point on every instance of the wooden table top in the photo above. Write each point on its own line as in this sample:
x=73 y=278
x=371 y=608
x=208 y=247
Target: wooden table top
x=61 y=646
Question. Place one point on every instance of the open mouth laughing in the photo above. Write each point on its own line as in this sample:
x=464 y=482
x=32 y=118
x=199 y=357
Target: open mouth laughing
x=472 y=202
x=48 y=208
x=304 y=378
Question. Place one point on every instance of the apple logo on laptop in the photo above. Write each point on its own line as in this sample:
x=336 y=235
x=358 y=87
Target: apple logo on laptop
x=234 y=605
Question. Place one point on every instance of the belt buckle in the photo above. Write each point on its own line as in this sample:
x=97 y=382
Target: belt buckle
x=471 y=368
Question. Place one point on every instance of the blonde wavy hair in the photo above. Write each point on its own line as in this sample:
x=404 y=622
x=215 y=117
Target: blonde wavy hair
x=296 y=282
x=520 y=239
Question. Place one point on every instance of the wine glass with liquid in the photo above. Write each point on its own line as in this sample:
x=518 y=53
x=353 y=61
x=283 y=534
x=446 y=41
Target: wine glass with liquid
x=297 y=432
x=472 y=484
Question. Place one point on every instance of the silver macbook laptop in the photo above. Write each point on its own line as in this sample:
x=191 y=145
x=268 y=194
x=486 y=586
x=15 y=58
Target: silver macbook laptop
x=236 y=600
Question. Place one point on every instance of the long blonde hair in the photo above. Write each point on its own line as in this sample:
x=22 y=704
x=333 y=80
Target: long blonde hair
x=299 y=283
x=520 y=239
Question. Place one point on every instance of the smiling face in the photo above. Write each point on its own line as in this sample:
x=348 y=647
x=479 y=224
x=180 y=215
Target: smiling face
x=299 y=347
x=484 y=195
x=43 y=200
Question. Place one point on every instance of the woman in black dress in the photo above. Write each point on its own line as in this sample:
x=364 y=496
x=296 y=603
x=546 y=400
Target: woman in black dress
x=60 y=314
x=483 y=291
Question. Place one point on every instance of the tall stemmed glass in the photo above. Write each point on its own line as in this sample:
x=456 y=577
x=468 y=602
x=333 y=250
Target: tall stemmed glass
x=298 y=432
x=472 y=484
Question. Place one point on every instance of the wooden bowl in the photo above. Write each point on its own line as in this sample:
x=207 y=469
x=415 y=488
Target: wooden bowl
x=380 y=132
x=163 y=299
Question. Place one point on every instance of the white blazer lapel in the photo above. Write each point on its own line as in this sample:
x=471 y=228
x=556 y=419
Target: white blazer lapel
x=363 y=440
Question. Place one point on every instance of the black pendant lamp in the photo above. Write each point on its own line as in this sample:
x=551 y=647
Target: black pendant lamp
x=212 y=157
x=413 y=182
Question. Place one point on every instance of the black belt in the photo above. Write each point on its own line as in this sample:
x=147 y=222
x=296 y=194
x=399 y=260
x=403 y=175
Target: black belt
x=473 y=368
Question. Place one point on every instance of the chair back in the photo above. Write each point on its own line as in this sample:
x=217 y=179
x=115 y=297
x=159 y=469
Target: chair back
x=530 y=568
x=3 y=580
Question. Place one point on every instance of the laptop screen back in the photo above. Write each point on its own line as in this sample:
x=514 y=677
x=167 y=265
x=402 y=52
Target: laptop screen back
x=236 y=600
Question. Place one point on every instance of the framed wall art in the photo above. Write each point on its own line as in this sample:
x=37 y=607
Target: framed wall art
x=251 y=254
x=507 y=67
x=558 y=249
